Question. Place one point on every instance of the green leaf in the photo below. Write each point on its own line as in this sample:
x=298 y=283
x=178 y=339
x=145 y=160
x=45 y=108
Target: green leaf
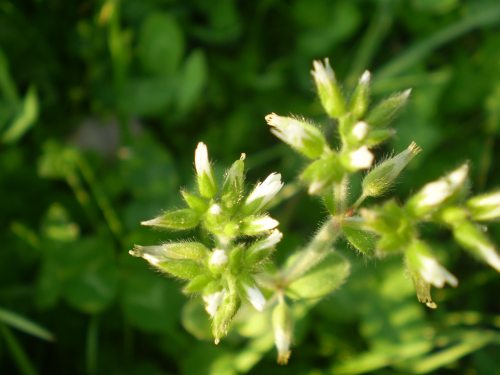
x=362 y=240
x=195 y=320
x=321 y=279
x=193 y=79
x=161 y=44
x=25 y=119
x=23 y=324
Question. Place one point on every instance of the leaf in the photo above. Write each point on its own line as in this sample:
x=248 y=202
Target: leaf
x=362 y=240
x=193 y=80
x=161 y=44
x=23 y=324
x=25 y=119
x=195 y=320
x=321 y=279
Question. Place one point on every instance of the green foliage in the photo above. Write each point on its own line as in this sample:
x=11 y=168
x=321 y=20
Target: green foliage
x=101 y=106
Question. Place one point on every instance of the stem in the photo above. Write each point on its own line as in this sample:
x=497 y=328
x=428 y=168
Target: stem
x=340 y=195
x=359 y=201
x=314 y=252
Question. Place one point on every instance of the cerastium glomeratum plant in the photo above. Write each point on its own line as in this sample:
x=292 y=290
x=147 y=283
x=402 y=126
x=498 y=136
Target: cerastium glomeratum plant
x=230 y=265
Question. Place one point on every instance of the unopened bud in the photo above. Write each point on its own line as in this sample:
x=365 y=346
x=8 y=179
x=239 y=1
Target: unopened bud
x=262 y=248
x=381 y=178
x=255 y=225
x=328 y=89
x=360 y=98
x=485 y=206
x=384 y=112
x=205 y=176
x=224 y=314
x=161 y=258
x=283 y=331
x=218 y=260
x=178 y=220
x=361 y=158
x=299 y=134
x=435 y=194
x=233 y=186
x=263 y=193
x=473 y=239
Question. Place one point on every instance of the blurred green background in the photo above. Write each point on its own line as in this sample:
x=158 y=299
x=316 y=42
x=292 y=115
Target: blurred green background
x=101 y=106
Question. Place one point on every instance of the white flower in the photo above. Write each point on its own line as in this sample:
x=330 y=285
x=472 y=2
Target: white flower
x=212 y=302
x=266 y=190
x=201 y=162
x=269 y=241
x=218 y=257
x=255 y=225
x=282 y=341
x=365 y=78
x=361 y=158
x=435 y=193
x=215 y=209
x=322 y=73
x=360 y=130
x=433 y=273
x=255 y=297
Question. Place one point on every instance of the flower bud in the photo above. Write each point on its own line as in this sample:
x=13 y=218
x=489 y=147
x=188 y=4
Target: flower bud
x=283 y=331
x=435 y=194
x=426 y=271
x=185 y=218
x=255 y=225
x=328 y=89
x=322 y=173
x=233 y=186
x=158 y=256
x=218 y=260
x=224 y=314
x=361 y=158
x=263 y=193
x=381 y=178
x=259 y=250
x=213 y=301
x=255 y=297
x=377 y=136
x=360 y=97
x=384 y=112
x=299 y=134
x=485 y=206
x=205 y=176
x=473 y=239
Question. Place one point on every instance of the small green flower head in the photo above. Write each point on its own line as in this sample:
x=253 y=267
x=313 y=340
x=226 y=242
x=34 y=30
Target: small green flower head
x=241 y=237
x=426 y=271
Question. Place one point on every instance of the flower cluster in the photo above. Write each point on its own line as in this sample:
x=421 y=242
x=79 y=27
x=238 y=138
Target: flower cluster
x=242 y=237
x=359 y=129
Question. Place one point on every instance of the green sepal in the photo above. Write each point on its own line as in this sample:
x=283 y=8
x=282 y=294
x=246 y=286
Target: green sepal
x=197 y=284
x=362 y=240
x=360 y=98
x=387 y=109
x=186 y=250
x=473 y=239
x=183 y=269
x=234 y=183
x=322 y=279
x=236 y=259
x=185 y=218
x=206 y=185
x=225 y=314
x=194 y=202
x=322 y=173
x=378 y=136
x=485 y=206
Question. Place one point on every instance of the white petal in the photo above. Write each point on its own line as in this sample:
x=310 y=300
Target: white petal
x=255 y=297
x=218 y=257
x=201 y=162
x=212 y=302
